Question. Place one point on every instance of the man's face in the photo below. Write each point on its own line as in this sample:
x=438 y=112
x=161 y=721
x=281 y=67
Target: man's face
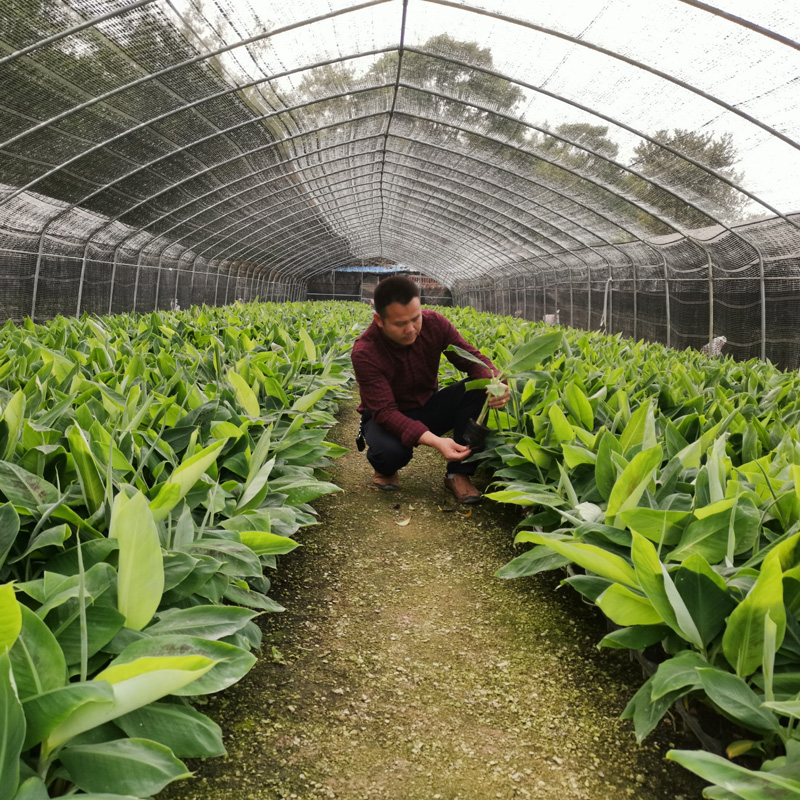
x=400 y=323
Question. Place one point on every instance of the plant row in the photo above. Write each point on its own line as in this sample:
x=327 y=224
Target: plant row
x=672 y=482
x=151 y=468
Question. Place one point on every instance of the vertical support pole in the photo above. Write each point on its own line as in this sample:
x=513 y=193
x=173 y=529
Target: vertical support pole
x=228 y=284
x=635 y=300
x=136 y=279
x=216 y=285
x=666 y=298
x=763 y=305
x=158 y=278
x=174 y=300
x=191 y=283
x=524 y=297
x=571 y=299
x=710 y=301
x=333 y=282
x=38 y=271
x=589 y=297
x=113 y=277
x=82 y=278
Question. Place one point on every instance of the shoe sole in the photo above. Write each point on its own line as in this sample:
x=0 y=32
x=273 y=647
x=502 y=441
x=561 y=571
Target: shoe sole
x=387 y=487
x=467 y=501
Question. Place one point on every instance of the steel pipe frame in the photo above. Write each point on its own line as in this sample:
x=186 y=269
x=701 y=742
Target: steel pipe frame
x=337 y=145
x=743 y=22
x=43 y=231
x=611 y=120
x=534 y=182
x=520 y=83
x=94 y=21
x=554 y=254
x=491 y=241
x=390 y=117
x=325 y=260
x=246 y=154
x=341 y=207
x=466 y=130
x=188 y=62
x=625 y=59
x=291 y=273
x=370 y=89
x=239 y=222
x=189 y=106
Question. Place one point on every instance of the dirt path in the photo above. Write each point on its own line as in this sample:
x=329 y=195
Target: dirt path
x=403 y=669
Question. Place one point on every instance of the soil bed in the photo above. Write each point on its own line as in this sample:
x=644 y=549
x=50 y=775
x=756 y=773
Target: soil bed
x=403 y=669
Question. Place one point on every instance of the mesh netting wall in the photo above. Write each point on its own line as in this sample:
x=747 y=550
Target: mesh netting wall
x=743 y=285
x=118 y=269
x=157 y=154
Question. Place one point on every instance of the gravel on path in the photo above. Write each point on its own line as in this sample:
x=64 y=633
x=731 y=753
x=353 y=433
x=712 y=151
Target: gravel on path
x=403 y=669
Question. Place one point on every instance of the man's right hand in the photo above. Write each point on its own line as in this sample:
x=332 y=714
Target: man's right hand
x=449 y=448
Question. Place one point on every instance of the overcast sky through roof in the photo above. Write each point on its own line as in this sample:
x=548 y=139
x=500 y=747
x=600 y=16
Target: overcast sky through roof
x=743 y=68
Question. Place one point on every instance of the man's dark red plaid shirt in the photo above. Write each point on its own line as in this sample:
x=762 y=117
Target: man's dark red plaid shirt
x=393 y=378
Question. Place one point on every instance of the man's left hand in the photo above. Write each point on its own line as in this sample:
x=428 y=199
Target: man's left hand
x=500 y=402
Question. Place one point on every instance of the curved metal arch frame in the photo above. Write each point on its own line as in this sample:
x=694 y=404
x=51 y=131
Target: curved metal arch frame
x=461 y=7
x=90 y=23
x=189 y=106
x=325 y=262
x=613 y=121
x=467 y=156
x=434 y=0
x=447 y=97
x=356 y=203
x=188 y=62
x=619 y=57
x=743 y=22
x=246 y=154
x=378 y=114
x=390 y=116
x=329 y=185
x=430 y=245
x=466 y=65
x=492 y=241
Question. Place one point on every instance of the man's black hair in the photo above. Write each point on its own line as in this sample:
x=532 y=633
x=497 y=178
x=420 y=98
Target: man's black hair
x=397 y=289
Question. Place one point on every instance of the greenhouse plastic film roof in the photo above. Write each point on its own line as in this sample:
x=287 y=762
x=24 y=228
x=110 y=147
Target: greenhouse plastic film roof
x=632 y=165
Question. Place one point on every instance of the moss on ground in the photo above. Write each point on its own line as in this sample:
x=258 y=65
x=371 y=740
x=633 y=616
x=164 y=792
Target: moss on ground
x=403 y=668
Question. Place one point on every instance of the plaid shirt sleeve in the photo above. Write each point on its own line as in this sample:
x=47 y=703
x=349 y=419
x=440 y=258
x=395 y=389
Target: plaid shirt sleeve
x=377 y=395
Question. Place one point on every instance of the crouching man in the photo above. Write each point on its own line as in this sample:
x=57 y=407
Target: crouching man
x=396 y=363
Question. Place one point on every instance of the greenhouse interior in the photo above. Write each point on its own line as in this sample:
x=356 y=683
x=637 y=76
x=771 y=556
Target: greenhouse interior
x=199 y=203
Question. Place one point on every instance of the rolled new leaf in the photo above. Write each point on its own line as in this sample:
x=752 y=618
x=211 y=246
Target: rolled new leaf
x=244 y=394
x=12 y=730
x=141 y=566
x=184 y=478
x=631 y=484
x=743 y=640
x=89 y=477
x=10 y=617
